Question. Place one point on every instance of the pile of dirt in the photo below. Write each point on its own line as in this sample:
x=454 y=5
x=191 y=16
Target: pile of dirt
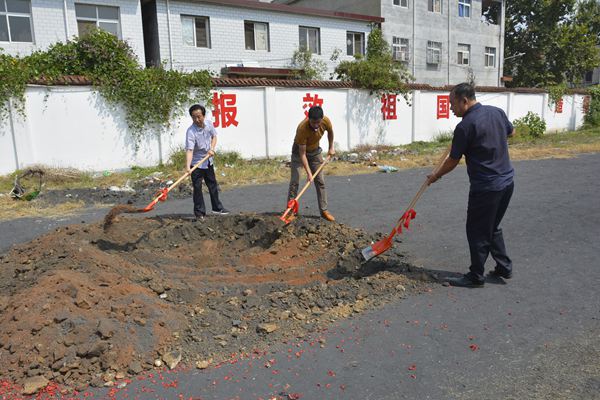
x=81 y=306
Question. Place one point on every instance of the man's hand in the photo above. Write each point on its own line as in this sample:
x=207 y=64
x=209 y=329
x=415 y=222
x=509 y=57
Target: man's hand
x=432 y=178
x=211 y=152
x=331 y=152
x=309 y=176
x=188 y=168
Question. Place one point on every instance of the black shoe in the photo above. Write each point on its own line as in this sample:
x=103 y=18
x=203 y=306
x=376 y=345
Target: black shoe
x=222 y=211
x=465 y=281
x=200 y=217
x=499 y=274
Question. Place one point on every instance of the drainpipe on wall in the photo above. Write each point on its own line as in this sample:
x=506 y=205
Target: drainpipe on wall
x=414 y=65
x=169 y=34
x=12 y=132
x=67 y=34
x=501 y=44
x=448 y=42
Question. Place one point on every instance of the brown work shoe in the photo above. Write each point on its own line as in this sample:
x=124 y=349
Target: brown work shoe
x=327 y=215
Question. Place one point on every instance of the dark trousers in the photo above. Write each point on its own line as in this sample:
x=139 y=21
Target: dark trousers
x=208 y=175
x=484 y=214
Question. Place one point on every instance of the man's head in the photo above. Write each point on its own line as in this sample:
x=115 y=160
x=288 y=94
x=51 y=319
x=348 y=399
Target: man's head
x=315 y=116
x=197 y=112
x=462 y=97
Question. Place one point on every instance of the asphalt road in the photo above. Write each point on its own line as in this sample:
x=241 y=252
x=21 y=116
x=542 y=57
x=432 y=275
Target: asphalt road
x=535 y=337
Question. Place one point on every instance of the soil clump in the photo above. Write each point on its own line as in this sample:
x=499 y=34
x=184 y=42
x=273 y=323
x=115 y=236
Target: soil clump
x=80 y=306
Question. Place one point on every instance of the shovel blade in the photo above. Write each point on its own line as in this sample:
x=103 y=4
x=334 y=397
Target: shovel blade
x=377 y=248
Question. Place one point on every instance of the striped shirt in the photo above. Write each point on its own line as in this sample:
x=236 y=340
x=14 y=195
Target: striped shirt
x=198 y=139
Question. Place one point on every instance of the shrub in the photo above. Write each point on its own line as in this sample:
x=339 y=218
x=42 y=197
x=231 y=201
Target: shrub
x=309 y=67
x=377 y=71
x=592 y=117
x=151 y=97
x=530 y=125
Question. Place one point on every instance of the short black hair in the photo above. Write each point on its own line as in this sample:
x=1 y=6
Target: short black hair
x=315 y=112
x=197 y=107
x=464 y=91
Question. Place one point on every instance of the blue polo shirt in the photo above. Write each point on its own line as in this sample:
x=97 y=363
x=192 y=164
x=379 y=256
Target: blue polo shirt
x=481 y=137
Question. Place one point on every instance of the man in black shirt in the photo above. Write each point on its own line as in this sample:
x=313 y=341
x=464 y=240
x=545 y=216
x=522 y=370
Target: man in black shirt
x=481 y=137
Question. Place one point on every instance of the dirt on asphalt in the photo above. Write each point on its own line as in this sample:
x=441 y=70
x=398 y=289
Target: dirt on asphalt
x=80 y=306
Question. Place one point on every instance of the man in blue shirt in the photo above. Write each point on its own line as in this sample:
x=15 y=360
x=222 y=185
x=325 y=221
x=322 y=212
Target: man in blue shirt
x=200 y=140
x=481 y=137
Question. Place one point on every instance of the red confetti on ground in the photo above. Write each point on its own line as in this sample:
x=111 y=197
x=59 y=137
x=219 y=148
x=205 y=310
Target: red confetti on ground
x=172 y=384
x=471 y=337
x=474 y=347
x=412 y=367
x=294 y=396
x=413 y=376
x=330 y=373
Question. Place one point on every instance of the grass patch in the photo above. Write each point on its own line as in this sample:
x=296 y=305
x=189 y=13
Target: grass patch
x=12 y=209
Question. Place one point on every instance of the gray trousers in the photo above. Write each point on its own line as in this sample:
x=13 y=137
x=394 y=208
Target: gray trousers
x=315 y=159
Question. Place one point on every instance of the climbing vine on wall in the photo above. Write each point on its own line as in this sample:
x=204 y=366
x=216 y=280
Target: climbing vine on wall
x=151 y=97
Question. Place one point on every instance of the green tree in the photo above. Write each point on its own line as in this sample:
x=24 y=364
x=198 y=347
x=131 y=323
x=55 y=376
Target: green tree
x=588 y=14
x=377 y=71
x=557 y=46
x=308 y=67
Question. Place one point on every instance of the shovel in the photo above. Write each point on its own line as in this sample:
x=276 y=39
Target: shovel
x=292 y=207
x=409 y=214
x=161 y=196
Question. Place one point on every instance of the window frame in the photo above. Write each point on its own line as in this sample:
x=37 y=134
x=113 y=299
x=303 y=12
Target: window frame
x=431 y=6
x=400 y=3
x=254 y=23
x=398 y=44
x=466 y=6
x=431 y=50
x=98 y=20
x=194 y=18
x=460 y=54
x=362 y=40
x=309 y=28
x=7 y=14
x=487 y=55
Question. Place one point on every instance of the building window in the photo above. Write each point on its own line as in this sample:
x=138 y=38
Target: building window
x=435 y=6
x=400 y=49
x=355 y=42
x=491 y=10
x=195 y=31
x=310 y=39
x=434 y=52
x=401 y=3
x=15 y=21
x=490 y=56
x=257 y=35
x=464 y=54
x=90 y=17
x=589 y=76
x=464 y=8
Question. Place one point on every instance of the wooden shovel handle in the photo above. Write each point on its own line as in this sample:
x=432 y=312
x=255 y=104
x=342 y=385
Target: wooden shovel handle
x=425 y=184
x=314 y=175
x=178 y=181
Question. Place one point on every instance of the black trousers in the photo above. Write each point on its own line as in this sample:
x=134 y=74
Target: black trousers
x=484 y=214
x=208 y=175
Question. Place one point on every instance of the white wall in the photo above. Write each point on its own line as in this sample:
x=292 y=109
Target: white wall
x=74 y=126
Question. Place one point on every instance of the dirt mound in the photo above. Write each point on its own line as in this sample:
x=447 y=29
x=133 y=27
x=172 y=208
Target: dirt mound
x=79 y=306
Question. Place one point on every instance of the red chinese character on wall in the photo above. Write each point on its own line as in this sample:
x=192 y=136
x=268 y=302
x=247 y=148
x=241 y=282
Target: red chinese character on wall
x=443 y=106
x=310 y=101
x=586 y=104
x=558 y=106
x=388 y=106
x=225 y=110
